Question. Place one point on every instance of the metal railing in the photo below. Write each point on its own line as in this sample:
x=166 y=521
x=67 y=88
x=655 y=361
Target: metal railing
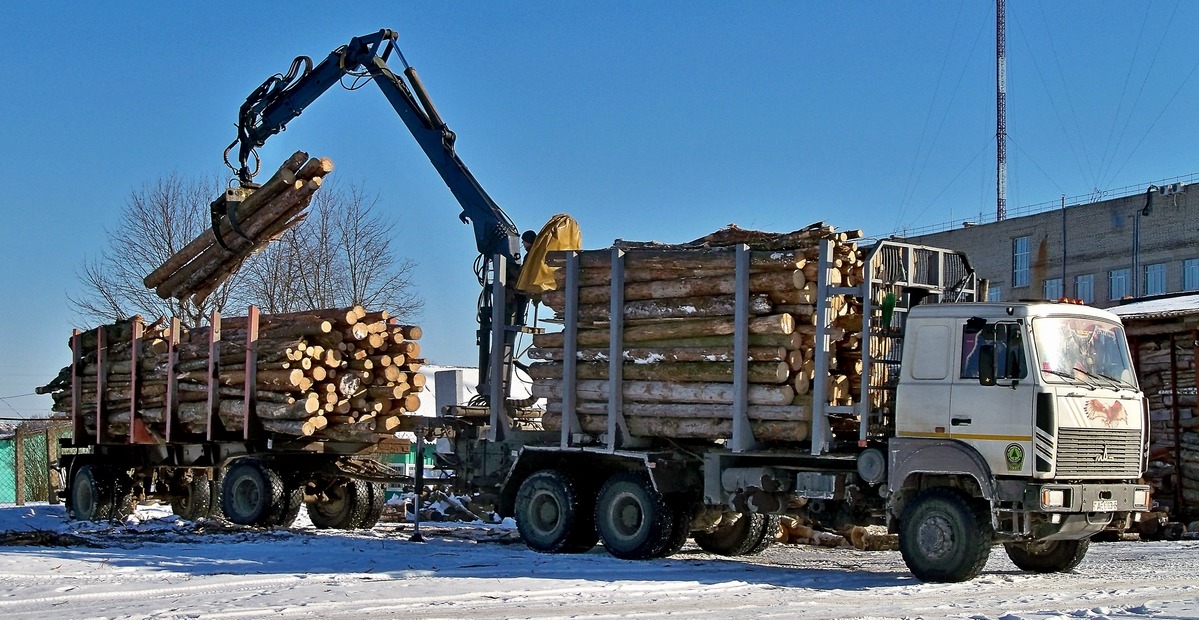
x=1041 y=207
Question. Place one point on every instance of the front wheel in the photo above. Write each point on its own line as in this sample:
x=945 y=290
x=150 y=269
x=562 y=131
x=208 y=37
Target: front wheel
x=942 y=538
x=551 y=516
x=1051 y=556
x=632 y=518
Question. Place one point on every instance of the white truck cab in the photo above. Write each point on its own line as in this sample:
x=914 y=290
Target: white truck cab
x=1030 y=408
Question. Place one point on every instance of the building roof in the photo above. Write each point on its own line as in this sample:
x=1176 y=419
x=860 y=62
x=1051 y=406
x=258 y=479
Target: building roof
x=1165 y=307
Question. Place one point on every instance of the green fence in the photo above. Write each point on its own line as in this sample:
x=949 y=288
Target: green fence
x=27 y=458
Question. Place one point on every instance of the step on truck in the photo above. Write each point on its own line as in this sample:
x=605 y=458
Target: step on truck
x=975 y=424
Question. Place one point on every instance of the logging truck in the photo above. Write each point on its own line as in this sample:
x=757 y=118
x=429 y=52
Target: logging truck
x=875 y=391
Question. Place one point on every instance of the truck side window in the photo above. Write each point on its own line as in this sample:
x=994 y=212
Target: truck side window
x=1006 y=338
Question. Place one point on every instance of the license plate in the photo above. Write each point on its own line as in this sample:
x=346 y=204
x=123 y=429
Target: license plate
x=1104 y=505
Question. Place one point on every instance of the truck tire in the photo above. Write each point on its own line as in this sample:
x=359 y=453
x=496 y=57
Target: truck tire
x=345 y=508
x=193 y=498
x=284 y=515
x=253 y=494
x=942 y=538
x=632 y=518
x=378 y=499
x=684 y=512
x=92 y=494
x=750 y=534
x=1051 y=556
x=550 y=515
x=215 y=484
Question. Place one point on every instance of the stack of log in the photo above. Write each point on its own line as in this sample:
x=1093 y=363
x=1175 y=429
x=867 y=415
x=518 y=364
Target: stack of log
x=1158 y=382
x=263 y=215
x=338 y=374
x=678 y=335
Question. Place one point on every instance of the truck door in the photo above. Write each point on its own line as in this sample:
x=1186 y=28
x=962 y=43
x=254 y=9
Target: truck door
x=923 y=400
x=992 y=396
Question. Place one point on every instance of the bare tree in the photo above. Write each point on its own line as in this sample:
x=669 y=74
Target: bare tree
x=340 y=255
x=156 y=221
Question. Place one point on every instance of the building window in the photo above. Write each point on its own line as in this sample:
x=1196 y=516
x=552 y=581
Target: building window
x=1084 y=288
x=1020 y=271
x=994 y=294
x=1155 y=279
x=1118 y=284
x=1190 y=274
x=1052 y=289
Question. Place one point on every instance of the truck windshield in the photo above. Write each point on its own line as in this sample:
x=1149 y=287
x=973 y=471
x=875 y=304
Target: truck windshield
x=1082 y=350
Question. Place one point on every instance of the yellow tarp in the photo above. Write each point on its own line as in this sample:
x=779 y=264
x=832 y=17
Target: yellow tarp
x=558 y=234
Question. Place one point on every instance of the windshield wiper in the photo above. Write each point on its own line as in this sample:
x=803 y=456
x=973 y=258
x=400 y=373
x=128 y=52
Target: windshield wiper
x=1071 y=376
x=1118 y=384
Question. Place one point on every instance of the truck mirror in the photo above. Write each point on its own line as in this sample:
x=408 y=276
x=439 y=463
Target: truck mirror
x=986 y=364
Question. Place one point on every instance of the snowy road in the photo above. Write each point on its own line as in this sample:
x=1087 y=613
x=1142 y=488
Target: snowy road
x=159 y=569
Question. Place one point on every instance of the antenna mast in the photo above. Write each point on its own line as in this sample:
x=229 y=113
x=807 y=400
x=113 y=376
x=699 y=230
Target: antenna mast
x=1000 y=110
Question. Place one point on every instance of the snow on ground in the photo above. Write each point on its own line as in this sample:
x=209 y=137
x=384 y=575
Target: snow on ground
x=158 y=566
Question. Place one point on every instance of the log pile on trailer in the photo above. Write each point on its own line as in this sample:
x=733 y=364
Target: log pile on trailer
x=340 y=374
x=677 y=335
x=196 y=270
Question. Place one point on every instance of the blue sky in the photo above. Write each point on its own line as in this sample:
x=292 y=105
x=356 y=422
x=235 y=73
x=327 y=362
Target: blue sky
x=643 y=120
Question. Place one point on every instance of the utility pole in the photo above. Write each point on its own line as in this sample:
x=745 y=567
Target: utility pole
x=1000 y=110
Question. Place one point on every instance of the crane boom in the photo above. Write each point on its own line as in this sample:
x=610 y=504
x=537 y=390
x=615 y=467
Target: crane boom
x=281 y=98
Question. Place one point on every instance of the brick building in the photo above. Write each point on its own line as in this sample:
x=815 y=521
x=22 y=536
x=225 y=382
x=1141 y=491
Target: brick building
x=1100 y=252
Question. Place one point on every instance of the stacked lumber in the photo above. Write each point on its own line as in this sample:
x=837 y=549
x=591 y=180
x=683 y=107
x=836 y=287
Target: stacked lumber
x=677 y=372
x=1157 y=379
x=336 y=374
x=263 y=215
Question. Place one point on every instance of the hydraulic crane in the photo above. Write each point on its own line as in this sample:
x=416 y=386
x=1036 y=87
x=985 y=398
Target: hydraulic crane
x=281 y=98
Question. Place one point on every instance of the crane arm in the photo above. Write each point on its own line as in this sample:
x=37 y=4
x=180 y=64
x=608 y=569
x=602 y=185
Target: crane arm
x=282 y=98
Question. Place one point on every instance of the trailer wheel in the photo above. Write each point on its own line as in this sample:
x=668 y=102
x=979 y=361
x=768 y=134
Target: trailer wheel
x=215 y=486
x=92 y=494
x=749 y=534
x=378 y=499
x=1051 y=556
x=193 y=498
x=252 y=493
x=684 y=512
x=632 y=518
x=284 y=514
x=345 y=507
x=942 y=539
x=550 y=515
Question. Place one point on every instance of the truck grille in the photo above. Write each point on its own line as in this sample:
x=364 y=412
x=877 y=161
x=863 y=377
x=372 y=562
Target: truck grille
x=1098 y=453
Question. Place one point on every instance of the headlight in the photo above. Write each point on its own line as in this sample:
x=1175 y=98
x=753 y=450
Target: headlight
x=1140 y=498
x=1053 y=498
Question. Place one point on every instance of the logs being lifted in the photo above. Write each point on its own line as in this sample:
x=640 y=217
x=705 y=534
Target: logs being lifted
x=264 y=214
x=678 y=328
x=338 y=374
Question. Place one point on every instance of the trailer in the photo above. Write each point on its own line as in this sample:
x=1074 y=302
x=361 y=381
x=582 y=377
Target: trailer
x=216 y=452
